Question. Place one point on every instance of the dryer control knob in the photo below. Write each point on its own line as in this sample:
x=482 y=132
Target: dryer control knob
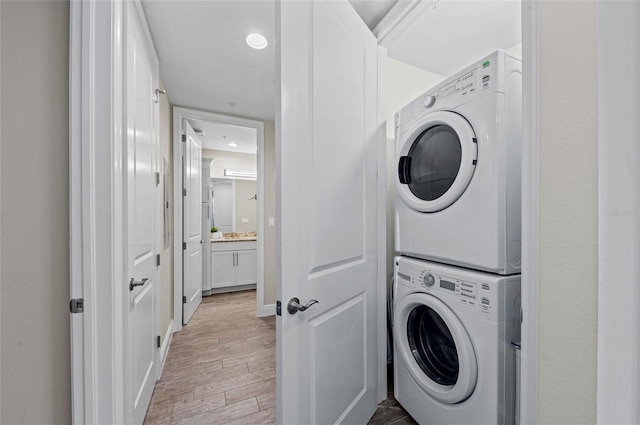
x=428 y=279
x=429 y=101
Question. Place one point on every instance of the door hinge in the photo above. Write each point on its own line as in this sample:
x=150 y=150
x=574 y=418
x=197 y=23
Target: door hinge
x=76 y=305
x=184 y=137
x=158 y=341
x=184 y=192
x=184 y=300
x=184 y=245
x=157 y=260
x=278 y=308
x=158 y=92
x=157 y=179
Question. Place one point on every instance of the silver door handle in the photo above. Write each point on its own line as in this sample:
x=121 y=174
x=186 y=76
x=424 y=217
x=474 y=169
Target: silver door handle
x=133 y=283
x=294 y=305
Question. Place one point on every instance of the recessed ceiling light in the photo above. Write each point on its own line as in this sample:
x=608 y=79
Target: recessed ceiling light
x=257 y=41
x=233 y=145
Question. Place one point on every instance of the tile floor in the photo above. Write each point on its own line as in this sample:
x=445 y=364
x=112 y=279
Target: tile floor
x=221 y=370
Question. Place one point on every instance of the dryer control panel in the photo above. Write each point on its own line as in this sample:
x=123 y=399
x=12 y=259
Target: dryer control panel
x=479 y=79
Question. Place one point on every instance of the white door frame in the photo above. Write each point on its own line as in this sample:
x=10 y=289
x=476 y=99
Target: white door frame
x=401 y=17
x=98 y=211
x=179 y=115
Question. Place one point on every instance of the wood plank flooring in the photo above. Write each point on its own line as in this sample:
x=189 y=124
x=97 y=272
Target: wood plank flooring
x=221 y=370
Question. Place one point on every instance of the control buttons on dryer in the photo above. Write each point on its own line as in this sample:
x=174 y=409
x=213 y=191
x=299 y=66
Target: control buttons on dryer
x=429 y=101
x=428 y=279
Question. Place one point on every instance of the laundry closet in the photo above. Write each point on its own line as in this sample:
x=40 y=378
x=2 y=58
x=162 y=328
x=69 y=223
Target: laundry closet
x=454 y=137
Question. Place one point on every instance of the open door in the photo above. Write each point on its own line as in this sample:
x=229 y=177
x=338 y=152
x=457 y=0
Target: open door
x=142 y=215
x=193 y=239
x=327 y=230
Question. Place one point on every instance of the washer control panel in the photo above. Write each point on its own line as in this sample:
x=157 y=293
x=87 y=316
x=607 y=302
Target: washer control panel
x=472 y=294
x=450 y=285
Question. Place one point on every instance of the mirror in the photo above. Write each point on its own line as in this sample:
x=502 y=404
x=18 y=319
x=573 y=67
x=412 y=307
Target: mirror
x=235 y=206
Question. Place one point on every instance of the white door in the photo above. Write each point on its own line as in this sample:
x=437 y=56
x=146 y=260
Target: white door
x=142 y=220
x=327 y=356
x=192 y=224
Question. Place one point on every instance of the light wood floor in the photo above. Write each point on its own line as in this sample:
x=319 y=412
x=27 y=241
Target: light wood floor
x=221 y=370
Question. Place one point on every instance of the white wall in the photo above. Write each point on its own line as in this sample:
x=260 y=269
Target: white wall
x=34 y=294
x=246 y=208
x=567 y=213
x=269 y=211
x=226 y=159
x=619 y=211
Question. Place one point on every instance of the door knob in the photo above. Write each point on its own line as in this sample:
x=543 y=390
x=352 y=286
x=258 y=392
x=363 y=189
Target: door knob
x=294 y=305
x=133 y=283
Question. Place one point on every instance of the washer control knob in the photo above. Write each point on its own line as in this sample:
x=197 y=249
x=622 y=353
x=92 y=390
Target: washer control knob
x=428 y=279
x=429 y=101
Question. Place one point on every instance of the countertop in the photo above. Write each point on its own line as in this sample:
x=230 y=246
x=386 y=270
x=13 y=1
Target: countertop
x=236 y=239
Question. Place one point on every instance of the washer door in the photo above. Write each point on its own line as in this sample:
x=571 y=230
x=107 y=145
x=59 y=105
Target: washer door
x=436 y=348
x=436 y=161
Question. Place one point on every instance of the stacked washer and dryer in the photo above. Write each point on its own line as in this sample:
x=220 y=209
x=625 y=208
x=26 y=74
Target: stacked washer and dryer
x=457 y=220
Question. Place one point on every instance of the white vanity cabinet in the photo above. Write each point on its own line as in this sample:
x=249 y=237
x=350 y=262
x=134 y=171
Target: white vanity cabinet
x=234 y=265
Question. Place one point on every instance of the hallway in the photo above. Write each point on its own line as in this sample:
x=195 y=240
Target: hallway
x=220 y=368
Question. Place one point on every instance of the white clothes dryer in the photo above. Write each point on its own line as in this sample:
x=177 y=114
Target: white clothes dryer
x=453 y=358
x=458 y=150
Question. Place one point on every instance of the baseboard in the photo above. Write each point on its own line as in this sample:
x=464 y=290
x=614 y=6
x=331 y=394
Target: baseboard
x=232 y=289
x=164 y=350
x=268 y=310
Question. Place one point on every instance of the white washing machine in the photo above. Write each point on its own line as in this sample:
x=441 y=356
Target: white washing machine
x=453 y=358
x=458 y=182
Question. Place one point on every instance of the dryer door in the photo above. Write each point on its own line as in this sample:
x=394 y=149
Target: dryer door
x=436 y=160
x=435 y=347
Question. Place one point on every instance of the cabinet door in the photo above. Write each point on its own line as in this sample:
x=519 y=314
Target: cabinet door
x=222 y=269
x=246 y=267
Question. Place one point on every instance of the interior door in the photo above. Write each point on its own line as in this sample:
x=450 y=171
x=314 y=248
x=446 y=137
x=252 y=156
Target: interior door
x=142 y=220
x=192 y=224
x=326 y=122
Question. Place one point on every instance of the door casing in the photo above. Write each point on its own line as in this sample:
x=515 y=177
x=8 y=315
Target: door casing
x=179 y=115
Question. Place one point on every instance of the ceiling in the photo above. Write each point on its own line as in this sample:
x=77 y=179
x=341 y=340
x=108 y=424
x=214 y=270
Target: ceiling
x=214 y=136
x=454 y=33
x=206 y=65
x=204 y=60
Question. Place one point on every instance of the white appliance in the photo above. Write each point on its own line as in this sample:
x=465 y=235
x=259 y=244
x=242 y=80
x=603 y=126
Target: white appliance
x=458 y=181
x=452 y=328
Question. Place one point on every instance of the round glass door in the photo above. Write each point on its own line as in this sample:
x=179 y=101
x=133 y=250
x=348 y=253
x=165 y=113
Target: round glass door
x=435 y=348
x=432 y=345
x=436 y=161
